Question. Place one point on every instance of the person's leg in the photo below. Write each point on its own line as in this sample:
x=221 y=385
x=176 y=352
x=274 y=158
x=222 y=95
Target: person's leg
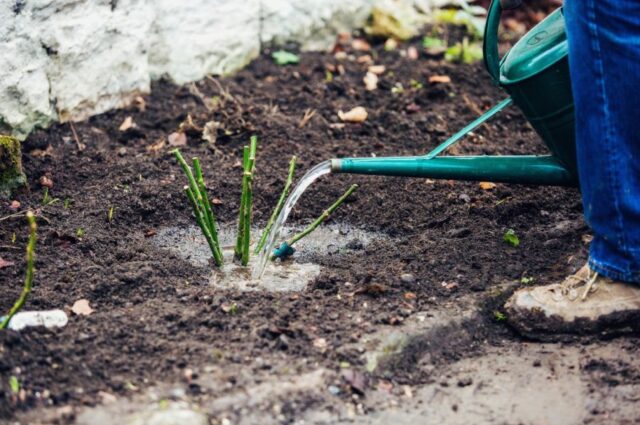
x=604 y=59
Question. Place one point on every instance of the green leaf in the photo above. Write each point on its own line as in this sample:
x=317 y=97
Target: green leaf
x=14 y=384
x=416 y=84
x=464 y=53
x=282 y=57
x=431 y=42
x=527 y=280
x=499 y=316
x=511 y=238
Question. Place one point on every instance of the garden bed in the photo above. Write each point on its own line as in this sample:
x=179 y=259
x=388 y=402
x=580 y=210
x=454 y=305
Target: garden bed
x=157 y=319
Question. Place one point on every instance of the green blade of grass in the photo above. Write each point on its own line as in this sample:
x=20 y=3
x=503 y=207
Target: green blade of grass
x=28 y=281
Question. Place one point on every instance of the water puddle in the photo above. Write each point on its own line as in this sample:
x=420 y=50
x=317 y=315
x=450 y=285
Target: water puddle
x=291 y=275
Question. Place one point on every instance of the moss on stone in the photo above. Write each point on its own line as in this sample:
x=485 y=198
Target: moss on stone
x=11 y=175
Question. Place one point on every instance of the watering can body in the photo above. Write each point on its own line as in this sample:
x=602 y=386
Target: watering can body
x=535 y=72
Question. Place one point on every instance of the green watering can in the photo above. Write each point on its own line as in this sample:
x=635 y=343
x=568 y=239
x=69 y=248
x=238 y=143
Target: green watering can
x=535 y=72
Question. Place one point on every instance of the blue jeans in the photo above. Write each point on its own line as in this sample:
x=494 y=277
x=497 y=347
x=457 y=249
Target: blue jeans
x=604 y=59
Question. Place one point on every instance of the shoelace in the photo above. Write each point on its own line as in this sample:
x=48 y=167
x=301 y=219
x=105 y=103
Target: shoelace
x=568 y=288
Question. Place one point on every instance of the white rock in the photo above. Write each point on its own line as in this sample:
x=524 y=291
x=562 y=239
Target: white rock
x=191 y=39
x=69 y=59
x=46 y=318
x=313 y=23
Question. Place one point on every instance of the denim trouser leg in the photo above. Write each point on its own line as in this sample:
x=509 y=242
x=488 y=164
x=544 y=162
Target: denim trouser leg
x=604 y=58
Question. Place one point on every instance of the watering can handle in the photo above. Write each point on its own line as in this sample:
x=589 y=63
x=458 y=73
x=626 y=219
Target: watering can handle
x=490 y=45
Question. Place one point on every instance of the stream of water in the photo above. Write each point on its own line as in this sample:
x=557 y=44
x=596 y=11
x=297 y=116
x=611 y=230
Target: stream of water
x=312 y=175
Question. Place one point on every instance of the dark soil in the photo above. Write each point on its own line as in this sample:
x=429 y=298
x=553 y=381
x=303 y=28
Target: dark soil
x=155 y=315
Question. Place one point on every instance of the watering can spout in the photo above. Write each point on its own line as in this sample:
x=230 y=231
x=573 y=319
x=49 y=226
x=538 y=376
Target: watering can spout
x=520 y=169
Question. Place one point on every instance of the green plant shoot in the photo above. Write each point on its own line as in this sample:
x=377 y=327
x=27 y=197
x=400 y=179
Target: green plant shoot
x=14 y=384
x=197 y=195
x=28 y=281
x=286 y=248
x=464 y=52
x=511 y=238
x=282 y=57
x=246 y=202
x=279 y=205
x=432 y=42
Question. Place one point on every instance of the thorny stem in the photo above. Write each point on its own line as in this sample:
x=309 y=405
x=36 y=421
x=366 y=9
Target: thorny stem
x=279 y=205
x=28 y=281
x=187 y=171
x=323 y=216
x=197 y=211
x=197 y=195
x=243 y=198
x=248 y=204
x=210 y=218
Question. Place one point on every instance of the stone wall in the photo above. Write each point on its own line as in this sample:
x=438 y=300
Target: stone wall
x=68 y=59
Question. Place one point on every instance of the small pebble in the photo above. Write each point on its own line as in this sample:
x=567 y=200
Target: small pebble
x=464 y=197
x=333 y=390
x=465 y=382
x=332 y=249
x=407 y=278
x=122 y=151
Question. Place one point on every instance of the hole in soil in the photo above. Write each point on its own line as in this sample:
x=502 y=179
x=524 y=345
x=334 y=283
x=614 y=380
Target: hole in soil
x=291 y=275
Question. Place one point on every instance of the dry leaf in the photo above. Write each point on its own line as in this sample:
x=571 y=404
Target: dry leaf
x=177 y=139
x=487 y=185
x=412 y=53
x=127 y=124
x=81 y=307
x=39 y=153
x=340 y=55
x=370 y=81
x=5 y=263
x=390 y=44
x=156 y=146
x=365 y=59
x=385 y=386
x=409 y=296
x=357 y=114
x=46 y=182
x=320 y=343
x=140 y=103
x=444 y=79
x=210 y=131
x=216 y=201
x=360 y=44
x=337 y=125
x=377 y=69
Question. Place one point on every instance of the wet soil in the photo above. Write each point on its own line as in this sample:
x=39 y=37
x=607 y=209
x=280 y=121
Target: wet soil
x=158 y=320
